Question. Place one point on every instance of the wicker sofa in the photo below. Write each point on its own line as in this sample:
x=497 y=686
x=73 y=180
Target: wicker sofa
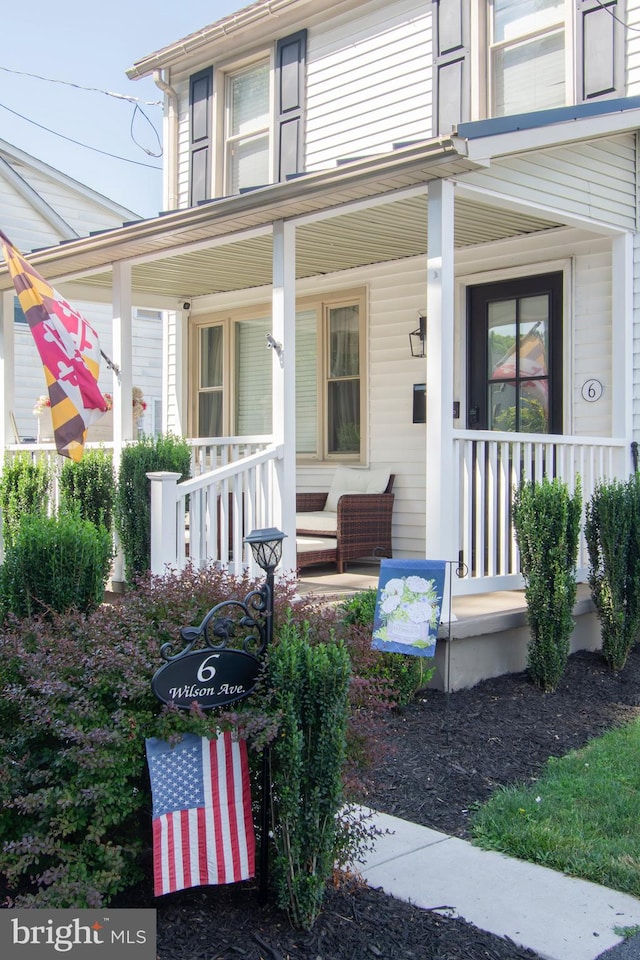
x=352 y=524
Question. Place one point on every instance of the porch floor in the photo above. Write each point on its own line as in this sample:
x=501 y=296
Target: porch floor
x=323 y=580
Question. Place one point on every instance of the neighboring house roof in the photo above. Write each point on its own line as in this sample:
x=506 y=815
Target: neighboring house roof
x=39 y=205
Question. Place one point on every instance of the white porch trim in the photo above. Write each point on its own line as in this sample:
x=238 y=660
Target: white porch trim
x=622 y=336
x=284 y=381
x=440 y=532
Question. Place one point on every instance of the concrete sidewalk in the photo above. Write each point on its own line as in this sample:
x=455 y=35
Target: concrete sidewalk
x=558 y=917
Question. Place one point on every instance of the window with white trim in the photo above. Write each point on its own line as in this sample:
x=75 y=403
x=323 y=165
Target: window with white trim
x=234 y=382
x=527 y=54
x=247 y=128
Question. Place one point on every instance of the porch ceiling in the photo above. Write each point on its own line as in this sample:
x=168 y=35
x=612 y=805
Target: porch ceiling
x=201 y=250
x=388 y=232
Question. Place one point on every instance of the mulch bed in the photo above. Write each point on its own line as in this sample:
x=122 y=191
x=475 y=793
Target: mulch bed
x=442 y=755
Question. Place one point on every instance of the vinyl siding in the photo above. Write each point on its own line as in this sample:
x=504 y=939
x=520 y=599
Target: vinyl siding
x=636 y=338
x=368 y=82
x=633 y=48
x=28 y=229
x=596 y=179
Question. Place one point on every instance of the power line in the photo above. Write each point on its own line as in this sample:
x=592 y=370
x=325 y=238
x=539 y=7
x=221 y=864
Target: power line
x=607 y=9
x=80 y=86
x=78 y=143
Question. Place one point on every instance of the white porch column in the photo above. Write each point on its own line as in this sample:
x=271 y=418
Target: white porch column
x=283 y=331
x=7 y=365
x=122 y=348
x=440 y=486
x=622 y=340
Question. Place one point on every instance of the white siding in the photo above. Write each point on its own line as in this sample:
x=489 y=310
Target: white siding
x=633 y=48
x=596 y=180
x=368 y=82
x=24 y=225
x=636 y=337
x=81 y=212
x=28 y=228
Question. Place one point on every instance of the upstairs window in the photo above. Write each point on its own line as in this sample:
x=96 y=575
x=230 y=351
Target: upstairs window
x=247 y=121
x=527 y=52
x=248 y=124
x=542 y=54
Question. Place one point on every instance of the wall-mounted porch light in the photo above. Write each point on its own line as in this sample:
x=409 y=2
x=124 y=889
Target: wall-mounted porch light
x=418 y=338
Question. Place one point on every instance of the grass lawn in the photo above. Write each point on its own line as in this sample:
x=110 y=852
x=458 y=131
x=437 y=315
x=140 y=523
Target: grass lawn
x=582 y=816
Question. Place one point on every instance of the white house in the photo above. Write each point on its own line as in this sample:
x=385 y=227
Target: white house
x=39 y=207
x=336 y=170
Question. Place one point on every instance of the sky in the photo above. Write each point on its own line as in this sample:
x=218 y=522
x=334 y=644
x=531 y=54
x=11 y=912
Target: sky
x=65 y=42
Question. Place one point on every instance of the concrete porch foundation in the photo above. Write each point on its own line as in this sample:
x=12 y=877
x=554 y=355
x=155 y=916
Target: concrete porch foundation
x=489 y=633
x=485 y=643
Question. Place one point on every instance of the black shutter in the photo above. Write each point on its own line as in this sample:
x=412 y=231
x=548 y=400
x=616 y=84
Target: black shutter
x=600 y=35
x=200 y=141
x=451 y=79
x=291 y=63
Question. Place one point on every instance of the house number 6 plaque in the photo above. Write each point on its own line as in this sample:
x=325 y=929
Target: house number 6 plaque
x=591 y=390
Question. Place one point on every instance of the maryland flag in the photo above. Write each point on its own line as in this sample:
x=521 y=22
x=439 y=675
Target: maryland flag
x=69 y=350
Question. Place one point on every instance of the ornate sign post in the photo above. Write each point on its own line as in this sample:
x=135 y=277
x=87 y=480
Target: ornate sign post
x=222 y=659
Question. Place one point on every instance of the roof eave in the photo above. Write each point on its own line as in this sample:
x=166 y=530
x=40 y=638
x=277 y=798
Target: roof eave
x=270 y=201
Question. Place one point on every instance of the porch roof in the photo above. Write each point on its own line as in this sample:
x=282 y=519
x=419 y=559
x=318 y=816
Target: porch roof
x=225 y=244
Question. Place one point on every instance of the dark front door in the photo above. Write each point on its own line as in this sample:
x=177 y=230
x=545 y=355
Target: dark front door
x=514 y=350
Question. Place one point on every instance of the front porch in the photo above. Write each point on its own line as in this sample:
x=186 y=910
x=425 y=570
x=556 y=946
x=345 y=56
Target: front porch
x=369 y=247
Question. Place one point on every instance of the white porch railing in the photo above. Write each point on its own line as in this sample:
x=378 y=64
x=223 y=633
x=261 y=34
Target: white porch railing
x=488 y=466
x=206 y=518
x=207 y=453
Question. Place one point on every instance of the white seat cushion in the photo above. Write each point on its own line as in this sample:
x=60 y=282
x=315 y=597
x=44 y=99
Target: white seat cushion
x=319 y=521
x=354 y=480
x=315 y=544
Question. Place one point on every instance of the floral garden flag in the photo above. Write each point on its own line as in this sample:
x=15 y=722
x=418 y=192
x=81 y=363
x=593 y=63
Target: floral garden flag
x=409 y=606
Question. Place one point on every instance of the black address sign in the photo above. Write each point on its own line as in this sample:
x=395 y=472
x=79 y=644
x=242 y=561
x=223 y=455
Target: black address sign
x=212 y=677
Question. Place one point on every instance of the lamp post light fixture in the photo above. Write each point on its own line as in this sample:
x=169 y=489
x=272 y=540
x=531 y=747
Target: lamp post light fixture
x=266 y=547
x=418 y=338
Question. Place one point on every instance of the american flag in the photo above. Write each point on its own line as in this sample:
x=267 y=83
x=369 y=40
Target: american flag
x=202 y=821
x=69 y=350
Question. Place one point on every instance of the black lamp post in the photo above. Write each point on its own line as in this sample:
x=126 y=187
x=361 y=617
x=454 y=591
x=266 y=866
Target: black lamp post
x=266 y=547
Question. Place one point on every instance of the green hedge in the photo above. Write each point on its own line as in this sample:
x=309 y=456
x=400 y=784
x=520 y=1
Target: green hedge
x=612 y=531
x=133 y=496
x=55 y=563
x=547 y=523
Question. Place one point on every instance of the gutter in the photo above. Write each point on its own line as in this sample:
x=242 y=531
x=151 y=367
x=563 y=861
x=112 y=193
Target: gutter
x=169 y=139
x=257 y=13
